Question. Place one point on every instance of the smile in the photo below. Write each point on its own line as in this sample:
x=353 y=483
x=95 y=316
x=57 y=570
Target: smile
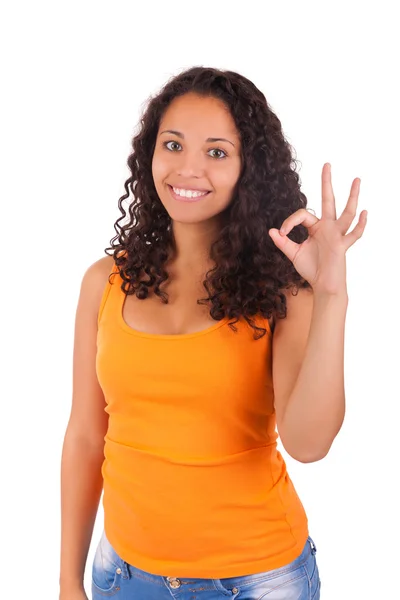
x=187 y=195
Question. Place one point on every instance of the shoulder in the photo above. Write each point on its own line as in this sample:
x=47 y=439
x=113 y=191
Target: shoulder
x=97 y=273
x=296 y=306
x=298 y=314
x=298 y=302
x=103 y=266
x=94 y=282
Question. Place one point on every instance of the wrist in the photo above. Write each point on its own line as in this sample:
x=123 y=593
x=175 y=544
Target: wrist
x=70 y=585
x=340 y=295
x=333 y=303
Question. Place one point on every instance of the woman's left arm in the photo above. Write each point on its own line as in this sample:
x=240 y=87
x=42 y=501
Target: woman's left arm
x=308 y=349
x=308 y=373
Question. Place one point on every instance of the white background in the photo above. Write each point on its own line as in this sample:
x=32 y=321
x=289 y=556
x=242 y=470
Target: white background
x=75 y=76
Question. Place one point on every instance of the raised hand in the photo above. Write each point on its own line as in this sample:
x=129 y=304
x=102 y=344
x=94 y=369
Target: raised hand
x=321 y=259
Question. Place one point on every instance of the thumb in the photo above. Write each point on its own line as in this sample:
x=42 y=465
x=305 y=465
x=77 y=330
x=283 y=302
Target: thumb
x=277 y=238
x=284 y=244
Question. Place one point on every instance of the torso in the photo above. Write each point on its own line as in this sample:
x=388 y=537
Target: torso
x=182 y=314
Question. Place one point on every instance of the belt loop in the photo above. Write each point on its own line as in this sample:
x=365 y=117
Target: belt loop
x=313 y=546
x=126 y=574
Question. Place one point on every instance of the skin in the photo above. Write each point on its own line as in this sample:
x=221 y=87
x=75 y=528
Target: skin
x=189 y=161
x=307 y=346
x=308 y=367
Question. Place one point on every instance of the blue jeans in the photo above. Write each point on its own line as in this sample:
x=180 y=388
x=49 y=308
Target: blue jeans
x=112 y=576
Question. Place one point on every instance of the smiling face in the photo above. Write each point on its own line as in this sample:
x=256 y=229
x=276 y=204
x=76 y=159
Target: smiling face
x=196 y=161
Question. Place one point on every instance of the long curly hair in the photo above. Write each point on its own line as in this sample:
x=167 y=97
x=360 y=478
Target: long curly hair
x=250 y=272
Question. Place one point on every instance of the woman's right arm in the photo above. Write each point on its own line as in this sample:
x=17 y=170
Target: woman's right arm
x=83 y=447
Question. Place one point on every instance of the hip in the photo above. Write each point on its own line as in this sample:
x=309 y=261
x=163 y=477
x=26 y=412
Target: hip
x=112 y=576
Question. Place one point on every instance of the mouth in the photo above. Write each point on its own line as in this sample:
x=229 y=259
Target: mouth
x=194 y=198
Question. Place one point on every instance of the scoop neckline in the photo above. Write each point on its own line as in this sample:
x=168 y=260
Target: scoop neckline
x=167 y=336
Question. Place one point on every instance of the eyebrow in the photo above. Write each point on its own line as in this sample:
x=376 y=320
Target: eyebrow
x=210 y=139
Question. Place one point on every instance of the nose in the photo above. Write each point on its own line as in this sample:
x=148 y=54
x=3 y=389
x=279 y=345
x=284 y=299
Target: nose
x=190 y=164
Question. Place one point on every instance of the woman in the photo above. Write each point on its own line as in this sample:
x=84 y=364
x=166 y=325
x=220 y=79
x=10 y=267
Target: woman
x=187 y=390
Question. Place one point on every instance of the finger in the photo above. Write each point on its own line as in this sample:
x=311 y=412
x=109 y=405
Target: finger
x=301 y=216
x=328 y=198
x=357 y=232
x=284 y=244
x=350 y=210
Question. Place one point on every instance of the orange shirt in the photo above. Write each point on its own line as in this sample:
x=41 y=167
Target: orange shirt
x=194 y=485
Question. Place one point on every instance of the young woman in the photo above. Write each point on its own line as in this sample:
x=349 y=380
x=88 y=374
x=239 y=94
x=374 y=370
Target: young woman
x=215 y=323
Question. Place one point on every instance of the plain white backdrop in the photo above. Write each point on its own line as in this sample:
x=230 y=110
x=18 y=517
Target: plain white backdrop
x=75 y=77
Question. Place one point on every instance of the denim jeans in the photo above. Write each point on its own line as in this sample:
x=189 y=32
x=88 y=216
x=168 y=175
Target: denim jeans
x=112 y=576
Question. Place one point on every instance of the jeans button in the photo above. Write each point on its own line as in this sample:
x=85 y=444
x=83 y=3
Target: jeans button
x=174 y=582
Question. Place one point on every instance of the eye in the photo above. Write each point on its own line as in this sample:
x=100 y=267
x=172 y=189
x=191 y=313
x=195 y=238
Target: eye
x=218 y=150
x=166 y=145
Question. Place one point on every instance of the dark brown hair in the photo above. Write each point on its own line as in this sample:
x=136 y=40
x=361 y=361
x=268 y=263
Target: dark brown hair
x=250 y=272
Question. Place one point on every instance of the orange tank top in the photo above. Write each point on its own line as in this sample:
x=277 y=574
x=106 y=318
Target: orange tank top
x=194 y=485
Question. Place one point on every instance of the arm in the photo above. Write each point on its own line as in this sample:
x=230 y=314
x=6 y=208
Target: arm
x=83 y=448
x=308 y=373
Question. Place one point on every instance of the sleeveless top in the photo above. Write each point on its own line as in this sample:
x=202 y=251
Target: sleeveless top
x=194 y=485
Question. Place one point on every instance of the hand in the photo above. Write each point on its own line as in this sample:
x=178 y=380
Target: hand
x=320 y=259
x=73 y=594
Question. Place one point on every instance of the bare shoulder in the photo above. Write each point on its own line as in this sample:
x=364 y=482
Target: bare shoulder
x=99 y=271
x=297 y=303
x=95 y=279
x=296 y=324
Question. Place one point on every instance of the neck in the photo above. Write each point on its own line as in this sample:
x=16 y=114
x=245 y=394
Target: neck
x=192 y=244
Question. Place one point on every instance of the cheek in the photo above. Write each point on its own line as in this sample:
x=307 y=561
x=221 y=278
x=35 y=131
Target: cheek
x=226 y=179
x=155 y=169
x=159 y=167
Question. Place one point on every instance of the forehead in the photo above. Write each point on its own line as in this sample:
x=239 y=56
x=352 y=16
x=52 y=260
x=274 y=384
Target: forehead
x=198 y=114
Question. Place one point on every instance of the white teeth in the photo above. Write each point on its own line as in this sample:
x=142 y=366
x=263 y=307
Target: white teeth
x=188 y=193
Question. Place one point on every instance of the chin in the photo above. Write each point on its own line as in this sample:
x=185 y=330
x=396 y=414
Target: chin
x=192 y=219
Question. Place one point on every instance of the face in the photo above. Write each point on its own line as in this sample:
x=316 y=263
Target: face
x=196 y=161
